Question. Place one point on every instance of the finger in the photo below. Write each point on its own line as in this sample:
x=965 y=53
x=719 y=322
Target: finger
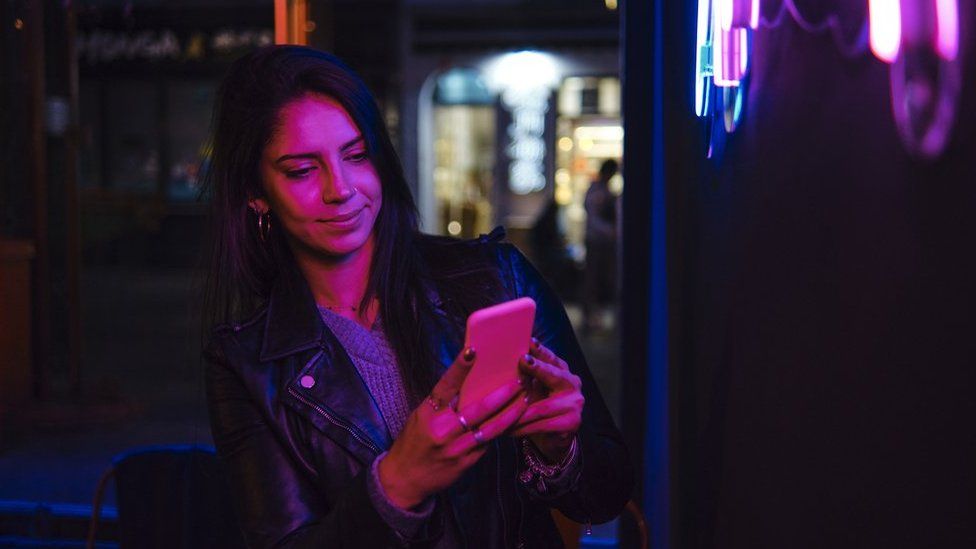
x=540 y=351
x=493 y=427
x=479 y=411
x=450 y=383
x=561 y=425
x=501 y=422
x=568 y=404
x=552 y=377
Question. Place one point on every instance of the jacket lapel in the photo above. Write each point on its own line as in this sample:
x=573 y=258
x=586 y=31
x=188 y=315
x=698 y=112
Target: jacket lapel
x=326 y=388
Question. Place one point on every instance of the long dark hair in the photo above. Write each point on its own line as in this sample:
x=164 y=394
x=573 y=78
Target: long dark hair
x=243 y=268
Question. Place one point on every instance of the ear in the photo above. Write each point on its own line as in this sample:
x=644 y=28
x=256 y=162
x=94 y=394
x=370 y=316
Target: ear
x=259 y=205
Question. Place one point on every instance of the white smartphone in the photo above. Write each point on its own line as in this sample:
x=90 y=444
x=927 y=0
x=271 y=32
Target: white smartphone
x=500 y=335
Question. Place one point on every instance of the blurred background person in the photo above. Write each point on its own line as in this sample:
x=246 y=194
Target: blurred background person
x=599 y=274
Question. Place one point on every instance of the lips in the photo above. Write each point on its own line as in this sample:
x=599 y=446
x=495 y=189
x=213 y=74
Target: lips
x=343 y=217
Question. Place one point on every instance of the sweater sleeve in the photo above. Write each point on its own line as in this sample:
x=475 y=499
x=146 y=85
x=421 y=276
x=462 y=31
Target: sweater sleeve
x=405 y=522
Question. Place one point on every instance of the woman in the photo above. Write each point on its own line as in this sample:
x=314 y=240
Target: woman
x=332 y=403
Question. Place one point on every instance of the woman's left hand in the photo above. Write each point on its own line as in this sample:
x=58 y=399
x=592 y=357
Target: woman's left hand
x=555 y=412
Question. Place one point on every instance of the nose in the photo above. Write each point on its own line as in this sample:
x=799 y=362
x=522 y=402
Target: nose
x=336 y=188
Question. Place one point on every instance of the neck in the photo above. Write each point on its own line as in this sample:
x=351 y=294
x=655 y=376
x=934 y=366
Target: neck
x=339 y=282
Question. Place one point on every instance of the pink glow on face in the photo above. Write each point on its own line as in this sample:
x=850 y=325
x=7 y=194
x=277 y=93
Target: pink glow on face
x=947 y=16
x=319 y=180
x=885 y=28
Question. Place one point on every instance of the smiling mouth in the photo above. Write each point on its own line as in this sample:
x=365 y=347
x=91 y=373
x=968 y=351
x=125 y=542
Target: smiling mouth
x=343 y=217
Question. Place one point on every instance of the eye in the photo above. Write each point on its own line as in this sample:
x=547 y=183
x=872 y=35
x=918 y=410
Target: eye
x=357 y=157
x=300 y=173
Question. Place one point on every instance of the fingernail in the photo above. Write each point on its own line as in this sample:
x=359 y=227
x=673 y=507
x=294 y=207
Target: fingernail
x=535 y=343
x=469 y=354
x=530 y=360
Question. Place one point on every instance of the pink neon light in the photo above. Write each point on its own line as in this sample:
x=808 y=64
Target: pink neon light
x=739 y=14
x=947 y=17
x=728 y=50
x=885 y=20
x=726 y=9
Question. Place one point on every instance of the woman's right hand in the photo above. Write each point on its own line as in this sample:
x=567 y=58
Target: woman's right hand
x=435 y=447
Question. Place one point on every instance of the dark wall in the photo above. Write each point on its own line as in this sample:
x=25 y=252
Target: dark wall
x=828 y=307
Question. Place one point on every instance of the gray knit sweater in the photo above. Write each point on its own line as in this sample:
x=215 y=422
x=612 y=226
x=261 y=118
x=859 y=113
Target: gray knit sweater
x=377 y=366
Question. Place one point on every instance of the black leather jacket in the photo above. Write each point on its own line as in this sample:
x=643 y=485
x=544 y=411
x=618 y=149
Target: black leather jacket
x=298 y=457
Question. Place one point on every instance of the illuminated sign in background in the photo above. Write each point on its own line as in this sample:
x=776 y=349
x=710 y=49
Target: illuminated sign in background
x=525 y=81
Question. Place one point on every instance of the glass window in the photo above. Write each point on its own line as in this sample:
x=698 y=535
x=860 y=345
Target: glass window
x=131 y=137
x=189 y=104
x=90 y=174
x=464 y=157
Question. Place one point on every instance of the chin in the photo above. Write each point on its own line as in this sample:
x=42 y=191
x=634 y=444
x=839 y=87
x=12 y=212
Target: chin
x=339 y=246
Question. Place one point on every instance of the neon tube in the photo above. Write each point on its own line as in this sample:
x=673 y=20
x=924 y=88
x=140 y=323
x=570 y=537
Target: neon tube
x=885 y=21
x=738 y=14
x=728 y=49
x=702 y=58
x=744 y=53
x=726 y=13
x=947 y=23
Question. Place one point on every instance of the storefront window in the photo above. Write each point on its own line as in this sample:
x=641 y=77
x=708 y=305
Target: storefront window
x=588 y=131
x=190 y=104
x=464 y=154
x=132 y=137
x=90 y=155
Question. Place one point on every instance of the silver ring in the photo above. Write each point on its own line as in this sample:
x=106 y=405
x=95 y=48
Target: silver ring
x=464 y=422
x=479 y=436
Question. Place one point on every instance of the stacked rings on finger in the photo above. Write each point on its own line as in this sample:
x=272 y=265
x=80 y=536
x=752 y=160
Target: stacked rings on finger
x=464 y=422
x=435 y=404
x=479 y=436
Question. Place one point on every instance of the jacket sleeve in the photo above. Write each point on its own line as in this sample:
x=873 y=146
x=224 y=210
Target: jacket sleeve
x=277 y=504
x=606 y=476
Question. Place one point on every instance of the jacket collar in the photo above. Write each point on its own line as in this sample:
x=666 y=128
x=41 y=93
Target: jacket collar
x=292 y=323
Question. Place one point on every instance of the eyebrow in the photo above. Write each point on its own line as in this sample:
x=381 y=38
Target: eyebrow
x=345 y=147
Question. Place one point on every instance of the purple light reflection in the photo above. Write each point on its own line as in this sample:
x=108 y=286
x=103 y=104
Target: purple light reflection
x=947 y=23
x=739 y=14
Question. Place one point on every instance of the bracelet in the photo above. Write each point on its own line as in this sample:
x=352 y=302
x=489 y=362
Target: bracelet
x=536 y=468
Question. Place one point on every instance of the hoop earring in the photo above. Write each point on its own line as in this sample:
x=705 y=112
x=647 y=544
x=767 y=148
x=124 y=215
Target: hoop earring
x=264 y=226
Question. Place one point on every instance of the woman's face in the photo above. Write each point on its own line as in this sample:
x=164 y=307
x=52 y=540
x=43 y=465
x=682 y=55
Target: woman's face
x=319 y=180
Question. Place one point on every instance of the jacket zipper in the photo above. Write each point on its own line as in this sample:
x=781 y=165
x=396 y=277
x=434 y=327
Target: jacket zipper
x=331 y=418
